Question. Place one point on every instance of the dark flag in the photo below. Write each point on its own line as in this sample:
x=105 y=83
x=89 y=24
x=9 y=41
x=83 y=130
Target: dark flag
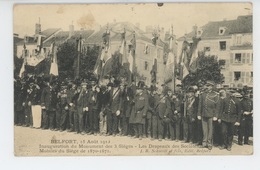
x=153 y=72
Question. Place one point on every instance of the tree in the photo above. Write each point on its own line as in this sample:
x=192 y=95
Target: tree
x=66 y=54
x=88 y=60
x=208 y=69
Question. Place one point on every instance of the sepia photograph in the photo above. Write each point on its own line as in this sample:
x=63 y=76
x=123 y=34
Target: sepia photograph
x=136 y=79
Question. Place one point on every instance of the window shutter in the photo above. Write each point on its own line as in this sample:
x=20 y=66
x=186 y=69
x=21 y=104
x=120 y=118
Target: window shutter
x=248 y=58
x=231 y=77
x=243 y=58
x=243 y=77
x=231 y=58
x=247 y=77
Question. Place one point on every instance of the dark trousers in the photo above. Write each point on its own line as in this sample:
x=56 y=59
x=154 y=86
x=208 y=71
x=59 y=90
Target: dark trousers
x=227 y=130
x=71 y=120
x=58 y=119
x=64 y=117
x=217 y=137
x=93 y=121
x=188 y=130
x=79 y=121
x=157 y=127
x=207 y=127
x=199 y=132
x=148 y=127
x=48 y=119
x=125 y=125
x=19 y=119
x=28 y=116
x=112 y=123
x=244 y=130
x=138 y=128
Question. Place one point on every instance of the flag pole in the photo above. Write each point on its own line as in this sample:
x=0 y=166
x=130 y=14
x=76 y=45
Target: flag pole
x=174 y=62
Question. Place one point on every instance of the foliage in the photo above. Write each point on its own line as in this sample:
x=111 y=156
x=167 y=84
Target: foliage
x=66 y=54
x=208 y=69
x=68 y=57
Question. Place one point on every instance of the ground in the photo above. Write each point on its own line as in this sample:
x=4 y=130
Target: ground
x=37 y=142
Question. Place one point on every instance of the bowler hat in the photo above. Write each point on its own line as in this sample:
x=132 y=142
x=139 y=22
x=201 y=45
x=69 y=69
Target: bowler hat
x=140 y=85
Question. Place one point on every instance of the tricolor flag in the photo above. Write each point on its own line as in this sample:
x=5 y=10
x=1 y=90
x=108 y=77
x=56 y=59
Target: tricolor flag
x=183 y=62
x=169 y=69
x=193 y=65
x=54 y=66
x=131 y=61
x=24 y=62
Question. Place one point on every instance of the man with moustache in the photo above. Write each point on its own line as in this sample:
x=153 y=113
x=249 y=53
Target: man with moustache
x=208 y=112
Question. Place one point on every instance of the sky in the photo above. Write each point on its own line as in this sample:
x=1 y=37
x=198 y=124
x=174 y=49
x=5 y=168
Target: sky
x=182 y=16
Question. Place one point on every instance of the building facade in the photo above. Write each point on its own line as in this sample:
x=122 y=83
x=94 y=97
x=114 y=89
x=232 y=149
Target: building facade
x=231 y=42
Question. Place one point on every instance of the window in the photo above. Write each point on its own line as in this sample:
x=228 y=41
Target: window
x=251 y=77
x=252 y=58
x=239 y=39
x=221 y=31
x=222 y=45
x=206 y=49
x=222 y=63
x=238 y=58
x=145 y=65
x=237 y=76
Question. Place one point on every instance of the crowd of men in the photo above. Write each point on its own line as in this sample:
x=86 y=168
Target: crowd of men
x=202 y=115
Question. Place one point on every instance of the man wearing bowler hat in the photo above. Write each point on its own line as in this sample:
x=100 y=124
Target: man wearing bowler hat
x=208 y=112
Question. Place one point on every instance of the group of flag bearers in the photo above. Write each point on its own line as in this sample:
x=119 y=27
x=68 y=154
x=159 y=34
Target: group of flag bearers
x=108 y=105
x=203 y=115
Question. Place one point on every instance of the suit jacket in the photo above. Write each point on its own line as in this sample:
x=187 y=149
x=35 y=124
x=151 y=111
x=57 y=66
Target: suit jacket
x=163 y=107
x=49 y=98
x=209 y=104
x=115 y=100
x=140 y=108
x=230 y=110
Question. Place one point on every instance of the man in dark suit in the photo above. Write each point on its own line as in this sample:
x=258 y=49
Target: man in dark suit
x=139 y=111
x=189 y=116
x=115 y=103
x=230 y=115
x=208 y=112
x=82 y=108
x=48 y=104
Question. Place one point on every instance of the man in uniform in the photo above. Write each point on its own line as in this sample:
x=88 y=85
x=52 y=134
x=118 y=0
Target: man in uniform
x=141 y=105
x=207 y=112
x=179 y=108
x=246 y=119
x=230 y=115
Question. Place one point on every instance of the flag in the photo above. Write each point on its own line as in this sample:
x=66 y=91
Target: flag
x=154 y=68
x=24 y=61
x=131 y=61
x=183 y=62
x=54 y=66
x=193 y=65
x=169 y=68
x=39 y=43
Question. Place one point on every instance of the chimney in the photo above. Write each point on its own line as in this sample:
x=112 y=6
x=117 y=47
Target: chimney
x=38 y=27
x=71 y=30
